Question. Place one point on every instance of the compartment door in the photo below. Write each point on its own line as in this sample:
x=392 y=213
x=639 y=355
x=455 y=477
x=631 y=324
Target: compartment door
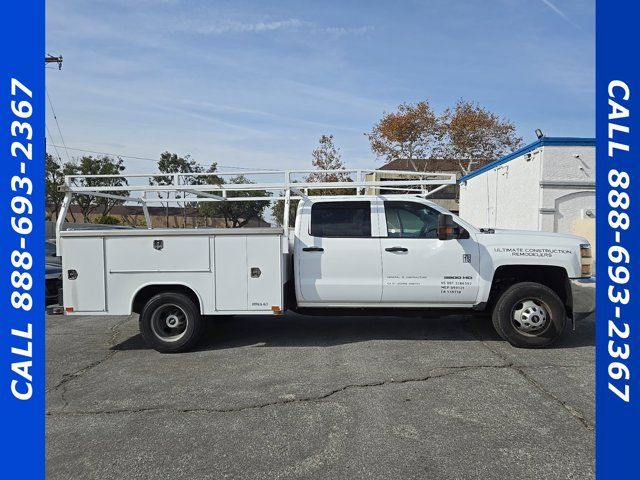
x=230 y=268
x=264 y=267
x=85 y=257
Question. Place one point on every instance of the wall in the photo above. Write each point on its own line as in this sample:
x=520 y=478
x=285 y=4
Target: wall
x=550 y=188
x=505 y=196
x=567 y=202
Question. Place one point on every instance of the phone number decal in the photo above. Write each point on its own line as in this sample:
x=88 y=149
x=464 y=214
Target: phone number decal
x=21 y=188
x=618 y=256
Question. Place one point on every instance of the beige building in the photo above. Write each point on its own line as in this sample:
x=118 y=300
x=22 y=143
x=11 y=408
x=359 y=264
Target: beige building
x=447 y=197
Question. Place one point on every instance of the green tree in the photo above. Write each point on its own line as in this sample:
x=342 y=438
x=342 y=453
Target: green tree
x=475 y=136
x=54 y=179
x=171 y=163
x=89 y=165
x=237 y=214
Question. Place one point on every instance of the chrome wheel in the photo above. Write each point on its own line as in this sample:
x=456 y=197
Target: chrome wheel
x=169 y=323
x=530 y=316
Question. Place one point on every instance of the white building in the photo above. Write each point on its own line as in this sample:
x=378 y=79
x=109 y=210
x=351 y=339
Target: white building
x=548 y=185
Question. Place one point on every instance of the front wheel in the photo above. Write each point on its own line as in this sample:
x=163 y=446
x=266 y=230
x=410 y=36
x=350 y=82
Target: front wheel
x=529 y=315
x=170 y=322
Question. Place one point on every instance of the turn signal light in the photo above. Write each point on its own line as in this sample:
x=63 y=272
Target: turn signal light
x=585 y=250
x=585 y=259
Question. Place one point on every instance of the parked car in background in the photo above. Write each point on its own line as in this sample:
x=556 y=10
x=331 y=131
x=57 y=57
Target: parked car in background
x=50 y=252
x=53 y=273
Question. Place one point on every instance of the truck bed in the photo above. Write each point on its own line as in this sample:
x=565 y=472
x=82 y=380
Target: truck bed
x=230 y=271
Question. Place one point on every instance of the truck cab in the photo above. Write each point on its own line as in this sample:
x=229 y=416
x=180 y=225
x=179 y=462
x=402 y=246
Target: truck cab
x=378 y=251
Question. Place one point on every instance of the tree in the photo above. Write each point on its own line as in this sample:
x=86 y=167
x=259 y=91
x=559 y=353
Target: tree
x=237 y=214
x=205 y=208
x=54 y=179
x=89 y=165
x=171 y=163
x=277 y=212
x=411 y=132
x=475 y=136
x=326 y=156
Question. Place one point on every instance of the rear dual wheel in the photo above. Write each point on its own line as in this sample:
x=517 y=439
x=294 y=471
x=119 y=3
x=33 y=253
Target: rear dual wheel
x=529 y=315
x=171 y=322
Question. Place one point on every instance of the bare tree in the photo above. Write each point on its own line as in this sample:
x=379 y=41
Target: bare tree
x=326 y=156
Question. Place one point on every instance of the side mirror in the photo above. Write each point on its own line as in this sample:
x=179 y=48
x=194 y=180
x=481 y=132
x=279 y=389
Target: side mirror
x=447 y=228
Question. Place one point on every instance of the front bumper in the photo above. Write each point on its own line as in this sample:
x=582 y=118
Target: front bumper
x=583 y=296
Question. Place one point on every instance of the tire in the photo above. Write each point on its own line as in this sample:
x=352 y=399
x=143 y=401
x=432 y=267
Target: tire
x=529 y=315
x=171 y=323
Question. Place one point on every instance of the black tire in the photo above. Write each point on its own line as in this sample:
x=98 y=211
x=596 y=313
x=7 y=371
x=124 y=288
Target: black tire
x=167 y=309
x=529 y=315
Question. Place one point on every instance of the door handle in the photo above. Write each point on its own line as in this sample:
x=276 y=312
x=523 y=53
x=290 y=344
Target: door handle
x=397 y=249
x=313 y=249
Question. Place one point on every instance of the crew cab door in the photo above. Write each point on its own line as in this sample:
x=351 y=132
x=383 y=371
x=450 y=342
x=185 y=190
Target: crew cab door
x=417 y=267
x=338 y=254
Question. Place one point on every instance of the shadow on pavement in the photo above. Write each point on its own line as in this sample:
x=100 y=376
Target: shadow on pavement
x=294 y=330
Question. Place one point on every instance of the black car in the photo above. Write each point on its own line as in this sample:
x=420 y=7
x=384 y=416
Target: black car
x=53 y=273
x=53 y=282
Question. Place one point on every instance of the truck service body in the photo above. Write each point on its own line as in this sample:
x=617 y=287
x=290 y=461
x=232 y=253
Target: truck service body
x=346 y=252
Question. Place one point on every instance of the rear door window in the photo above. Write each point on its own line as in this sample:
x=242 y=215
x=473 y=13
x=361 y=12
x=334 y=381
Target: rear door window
x=341 y=219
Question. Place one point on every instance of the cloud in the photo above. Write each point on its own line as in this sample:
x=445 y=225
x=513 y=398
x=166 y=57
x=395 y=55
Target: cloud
x=553 y=7
x=291 y=24
x=347 y=30
x=257 y=27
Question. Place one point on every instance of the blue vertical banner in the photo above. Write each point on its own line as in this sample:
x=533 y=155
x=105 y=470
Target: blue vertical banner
x=22 y=215
x=618 y=252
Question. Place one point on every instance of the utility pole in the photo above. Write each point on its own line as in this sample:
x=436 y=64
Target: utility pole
x=53 y=59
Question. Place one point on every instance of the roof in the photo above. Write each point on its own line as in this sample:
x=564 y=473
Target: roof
x=448 y=165
x=541 y=142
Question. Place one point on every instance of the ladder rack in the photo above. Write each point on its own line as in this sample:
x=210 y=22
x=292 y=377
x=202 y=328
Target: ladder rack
x=150 y=189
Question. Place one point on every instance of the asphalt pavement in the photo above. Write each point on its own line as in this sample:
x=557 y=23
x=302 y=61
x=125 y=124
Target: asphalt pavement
x=318 y=397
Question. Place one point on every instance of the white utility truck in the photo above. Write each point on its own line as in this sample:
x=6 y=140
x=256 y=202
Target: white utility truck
x=383 y=249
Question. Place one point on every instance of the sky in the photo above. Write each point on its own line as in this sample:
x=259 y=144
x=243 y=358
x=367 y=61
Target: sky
x=255 y=84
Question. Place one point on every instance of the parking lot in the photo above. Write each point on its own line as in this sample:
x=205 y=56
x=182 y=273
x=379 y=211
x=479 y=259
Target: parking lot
x=311 y=397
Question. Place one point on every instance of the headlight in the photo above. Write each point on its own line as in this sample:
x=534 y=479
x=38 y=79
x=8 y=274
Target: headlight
x=585 y=259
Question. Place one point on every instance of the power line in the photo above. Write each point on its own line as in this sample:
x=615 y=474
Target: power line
x=155 y=160
x=54 y=146
x=59 y=130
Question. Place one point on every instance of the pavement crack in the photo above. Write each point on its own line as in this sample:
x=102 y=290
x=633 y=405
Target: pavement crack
x=574 y=412
x=67 y=377
x=315 y=398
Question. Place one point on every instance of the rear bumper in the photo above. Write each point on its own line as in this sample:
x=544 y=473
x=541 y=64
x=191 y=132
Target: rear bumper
x=583 y=296
x=52 y=286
